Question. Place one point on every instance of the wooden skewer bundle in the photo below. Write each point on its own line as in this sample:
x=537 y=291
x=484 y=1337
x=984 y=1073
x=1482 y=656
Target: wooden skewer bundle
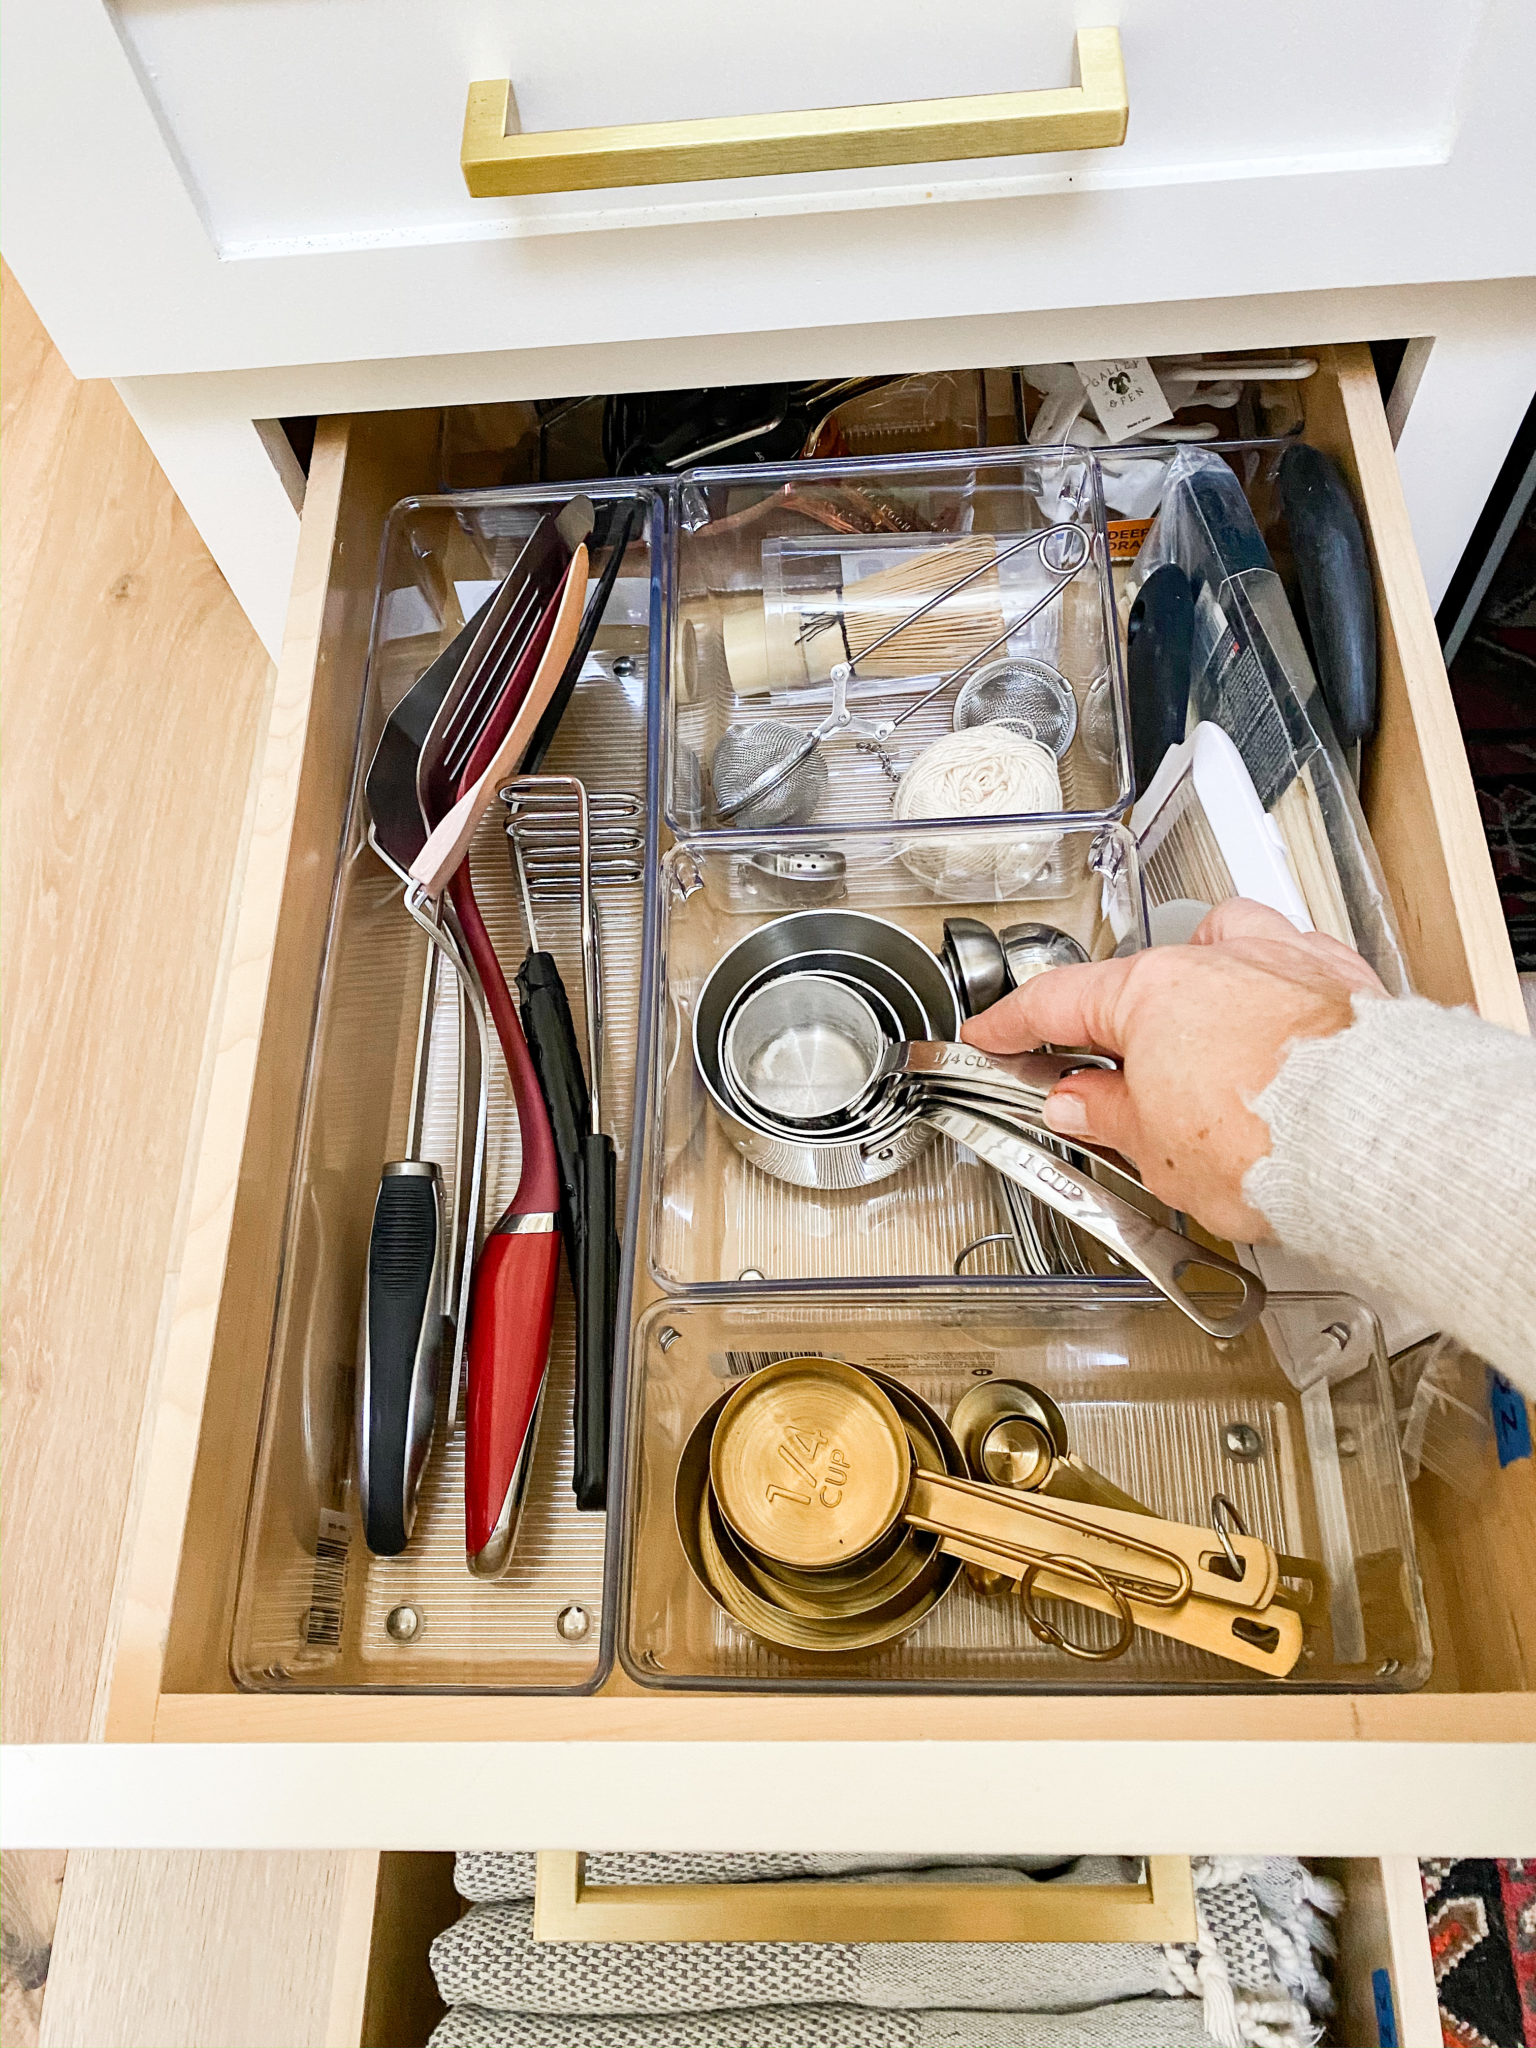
x=951 y=633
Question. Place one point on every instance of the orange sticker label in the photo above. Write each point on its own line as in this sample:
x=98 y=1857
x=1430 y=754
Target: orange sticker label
x=1126 y=537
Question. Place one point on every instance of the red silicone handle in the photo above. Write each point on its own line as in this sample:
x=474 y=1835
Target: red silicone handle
x=509 y=1323
x=538 y=1186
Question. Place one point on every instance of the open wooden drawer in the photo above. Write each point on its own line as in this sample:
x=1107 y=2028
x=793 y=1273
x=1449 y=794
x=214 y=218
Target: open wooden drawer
x=171 y=1679
x=384 y=1996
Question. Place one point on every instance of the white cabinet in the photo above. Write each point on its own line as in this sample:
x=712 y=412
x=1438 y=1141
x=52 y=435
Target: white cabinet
x=219 y=184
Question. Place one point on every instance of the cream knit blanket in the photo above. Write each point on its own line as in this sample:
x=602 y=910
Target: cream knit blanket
x=1403 y=1157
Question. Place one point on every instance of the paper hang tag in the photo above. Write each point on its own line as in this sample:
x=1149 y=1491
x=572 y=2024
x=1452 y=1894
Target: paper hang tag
x=1125 y=396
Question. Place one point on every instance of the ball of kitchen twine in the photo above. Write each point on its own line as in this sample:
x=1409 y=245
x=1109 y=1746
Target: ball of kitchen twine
x=985 y=771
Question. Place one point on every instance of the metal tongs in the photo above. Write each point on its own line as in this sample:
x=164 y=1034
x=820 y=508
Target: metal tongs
x=584 y=1150
x=1073 y=554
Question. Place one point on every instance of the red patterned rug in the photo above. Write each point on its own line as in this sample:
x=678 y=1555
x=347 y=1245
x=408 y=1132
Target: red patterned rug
x=1482 y=1934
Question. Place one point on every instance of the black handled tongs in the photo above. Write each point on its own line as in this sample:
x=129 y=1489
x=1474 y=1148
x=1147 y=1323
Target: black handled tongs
x=585 y=1150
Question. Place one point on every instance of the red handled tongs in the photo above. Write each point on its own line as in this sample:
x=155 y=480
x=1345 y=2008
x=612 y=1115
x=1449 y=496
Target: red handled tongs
x=417 y=1282
x=512 y=1303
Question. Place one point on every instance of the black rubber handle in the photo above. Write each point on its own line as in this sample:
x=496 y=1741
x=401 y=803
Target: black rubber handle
x=551 y=1034
x=1220 y=501
x=1333 y=568
x=1160 y=643
x=597 y=604
x=596 y=1307
x=403 y=1333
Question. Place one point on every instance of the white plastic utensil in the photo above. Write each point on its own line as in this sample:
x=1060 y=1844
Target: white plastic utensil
x=1204 y=835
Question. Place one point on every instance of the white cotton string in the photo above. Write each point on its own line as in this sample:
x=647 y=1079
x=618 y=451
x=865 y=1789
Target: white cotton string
x=985 y=771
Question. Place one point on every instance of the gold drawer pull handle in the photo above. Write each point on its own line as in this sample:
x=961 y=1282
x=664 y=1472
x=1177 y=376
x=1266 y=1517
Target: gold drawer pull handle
x=566 y=1908
x=1089 y=114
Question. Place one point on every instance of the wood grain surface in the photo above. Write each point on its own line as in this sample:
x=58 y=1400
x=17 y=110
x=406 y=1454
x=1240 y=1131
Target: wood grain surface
x=134 y=690
x=211 y=1949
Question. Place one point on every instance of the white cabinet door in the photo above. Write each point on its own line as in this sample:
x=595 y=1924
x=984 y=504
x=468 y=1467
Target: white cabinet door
x=211 y=184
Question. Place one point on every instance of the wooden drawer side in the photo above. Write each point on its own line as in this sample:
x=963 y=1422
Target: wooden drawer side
x=186 y=1542
x=1418 y=791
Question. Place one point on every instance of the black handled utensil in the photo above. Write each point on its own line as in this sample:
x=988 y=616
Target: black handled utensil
x=1159 y=639
x=1333 y=568
x=597 y=1290
x=621 y=533
x=551 y=1034
x=401 y=1338
x=597 y=1307
x=586 y=1153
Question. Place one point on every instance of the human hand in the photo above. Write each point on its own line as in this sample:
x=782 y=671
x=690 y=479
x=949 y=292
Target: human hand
x=1200 y=1031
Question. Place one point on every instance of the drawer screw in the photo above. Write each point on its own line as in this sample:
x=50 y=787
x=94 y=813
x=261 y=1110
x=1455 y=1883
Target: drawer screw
x=572 y=1623
x=1242 y=1441
x=1349 y=1444
x=667 y=1338
x=402 y=1624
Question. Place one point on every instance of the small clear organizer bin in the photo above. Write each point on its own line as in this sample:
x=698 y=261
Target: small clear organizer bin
x=1291 y=1425
x=887 y=607
x=727 y=1209
x=315 y=1610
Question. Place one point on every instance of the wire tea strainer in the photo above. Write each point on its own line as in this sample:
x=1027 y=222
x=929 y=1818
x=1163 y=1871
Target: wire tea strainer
x=764 y=774
x=1025 y=694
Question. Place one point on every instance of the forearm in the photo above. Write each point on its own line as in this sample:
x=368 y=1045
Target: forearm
x=1403 y=1157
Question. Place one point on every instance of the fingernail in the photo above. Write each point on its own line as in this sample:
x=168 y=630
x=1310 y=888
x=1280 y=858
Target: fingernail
x=1066 y=1114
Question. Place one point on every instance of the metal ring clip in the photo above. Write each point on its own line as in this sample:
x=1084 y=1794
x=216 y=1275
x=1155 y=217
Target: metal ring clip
x=1047 y=1631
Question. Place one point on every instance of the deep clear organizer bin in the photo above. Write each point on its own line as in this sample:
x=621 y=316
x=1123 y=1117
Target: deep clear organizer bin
x=910 y=570
x=716 y=1218
x=315 y=1611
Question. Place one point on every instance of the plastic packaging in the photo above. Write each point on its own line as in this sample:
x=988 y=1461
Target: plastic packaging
x=1447 y=1426
x=1252 y=677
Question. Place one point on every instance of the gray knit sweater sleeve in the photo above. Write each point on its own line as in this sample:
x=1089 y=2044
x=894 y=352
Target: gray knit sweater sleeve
x=1403 y=1157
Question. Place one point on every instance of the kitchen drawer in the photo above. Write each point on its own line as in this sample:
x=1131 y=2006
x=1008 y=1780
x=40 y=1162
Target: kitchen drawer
x=171 y=1679
x=286 y=173
x=384 y=1995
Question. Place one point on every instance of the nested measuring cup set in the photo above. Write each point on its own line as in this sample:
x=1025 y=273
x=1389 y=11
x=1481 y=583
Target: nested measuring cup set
x=831 y=1509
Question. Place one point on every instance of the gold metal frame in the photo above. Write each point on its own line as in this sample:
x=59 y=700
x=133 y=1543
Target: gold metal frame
x=566 y=1908
x=1091 y=113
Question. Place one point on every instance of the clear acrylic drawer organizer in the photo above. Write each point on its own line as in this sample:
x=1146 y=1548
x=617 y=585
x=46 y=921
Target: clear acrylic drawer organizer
x=874 y=1282
x=314 y=1609
x=1293 y=1422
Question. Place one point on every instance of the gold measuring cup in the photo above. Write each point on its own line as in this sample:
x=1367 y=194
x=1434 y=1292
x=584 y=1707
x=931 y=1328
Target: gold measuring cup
x=857 y=1607
x=812 y=1468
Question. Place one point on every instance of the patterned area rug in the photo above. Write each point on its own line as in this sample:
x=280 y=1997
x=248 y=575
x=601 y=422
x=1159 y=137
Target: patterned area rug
x=1493 y=680
x=1482 y=1934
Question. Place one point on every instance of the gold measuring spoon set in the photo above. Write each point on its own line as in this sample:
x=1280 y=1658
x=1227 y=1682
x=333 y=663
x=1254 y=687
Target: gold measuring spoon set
x=828 y=1508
